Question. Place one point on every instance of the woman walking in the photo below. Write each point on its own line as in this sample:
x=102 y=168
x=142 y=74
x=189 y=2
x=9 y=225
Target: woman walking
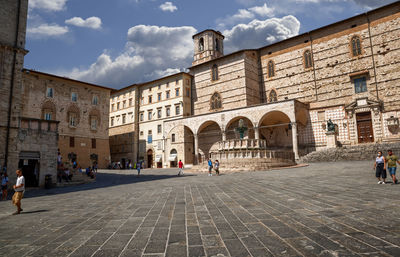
x=4 y=186
x=379 y=166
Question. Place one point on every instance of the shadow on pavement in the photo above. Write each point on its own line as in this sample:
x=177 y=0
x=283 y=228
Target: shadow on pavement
x=37 y=211
x=103 y=180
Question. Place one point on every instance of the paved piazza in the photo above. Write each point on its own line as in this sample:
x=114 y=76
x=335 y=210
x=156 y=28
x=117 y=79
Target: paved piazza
x=334 y=209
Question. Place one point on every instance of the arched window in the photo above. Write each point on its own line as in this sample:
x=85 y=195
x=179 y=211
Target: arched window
x=308 y=59
x=201 y=44
x=216 y=44
x=48 y=110
x=215 y=102
x=271 y=69
x=273 y=96
x=356 y=45
x=214 y=72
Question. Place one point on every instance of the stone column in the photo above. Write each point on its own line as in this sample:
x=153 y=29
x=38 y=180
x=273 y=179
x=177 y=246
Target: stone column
x=196 y=148
x=223 y=135
x=256 y=133
x=294 y=140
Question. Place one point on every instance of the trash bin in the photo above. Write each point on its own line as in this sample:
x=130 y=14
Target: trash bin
x=47 y=181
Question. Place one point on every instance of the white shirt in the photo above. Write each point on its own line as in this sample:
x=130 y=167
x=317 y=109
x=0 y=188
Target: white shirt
x=20 y=181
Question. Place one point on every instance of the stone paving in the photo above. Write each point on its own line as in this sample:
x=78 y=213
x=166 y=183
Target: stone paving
x=325 y=209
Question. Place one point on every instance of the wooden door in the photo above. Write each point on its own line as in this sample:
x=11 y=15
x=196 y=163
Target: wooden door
x=364 y=127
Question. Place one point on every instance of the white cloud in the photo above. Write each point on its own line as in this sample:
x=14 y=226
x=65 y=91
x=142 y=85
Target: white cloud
x=91 y=22
x=259 y=33
x=151 y=52
x=243 y=15
x=262 y=11
x=46 y=30
x=49 y=5
x=168 y=7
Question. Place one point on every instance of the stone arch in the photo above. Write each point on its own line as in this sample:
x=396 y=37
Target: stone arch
x=230 y=128
x=275 y=127
x=94 y=113
x=209 y=133
x=184 y=144
x=48 y=106
x=201 y=44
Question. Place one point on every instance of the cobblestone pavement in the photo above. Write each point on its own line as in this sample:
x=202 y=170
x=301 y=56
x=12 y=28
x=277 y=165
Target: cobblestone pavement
x=330 y=209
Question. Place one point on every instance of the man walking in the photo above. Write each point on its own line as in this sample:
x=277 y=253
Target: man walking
x=210 y=166
x=19 y=188
x=391 y=164
x=180 y=166
x=138 y=168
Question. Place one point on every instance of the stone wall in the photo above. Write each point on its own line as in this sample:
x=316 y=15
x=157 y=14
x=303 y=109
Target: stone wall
x=351 y=153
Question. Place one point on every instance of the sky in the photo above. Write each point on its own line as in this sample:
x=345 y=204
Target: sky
x=116 y=43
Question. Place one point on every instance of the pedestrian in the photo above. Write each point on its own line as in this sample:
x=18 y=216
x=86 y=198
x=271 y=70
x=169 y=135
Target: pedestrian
x=379 y=166
x=138 y=168
x=4 y=185
x=59 y=158
x=180 y=165
x=391 y=164
x=210 y=167
x=19 y=188
x=216 y=167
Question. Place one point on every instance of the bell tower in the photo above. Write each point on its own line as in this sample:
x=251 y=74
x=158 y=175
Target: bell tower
x=208 y=45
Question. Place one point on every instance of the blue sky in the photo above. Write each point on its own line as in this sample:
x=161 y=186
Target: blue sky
x=116 y=43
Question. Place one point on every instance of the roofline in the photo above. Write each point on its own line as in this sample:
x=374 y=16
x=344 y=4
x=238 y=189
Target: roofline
x=397 y=3
x=152 y=81
x=219 y=33
x=65 y=78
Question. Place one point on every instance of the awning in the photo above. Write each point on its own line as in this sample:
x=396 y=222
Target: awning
x=172 y=158
x=158 y=158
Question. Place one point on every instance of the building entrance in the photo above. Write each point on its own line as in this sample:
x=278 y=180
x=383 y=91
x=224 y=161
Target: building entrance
x=364 y=127
x=29 y=164
x=149 y=158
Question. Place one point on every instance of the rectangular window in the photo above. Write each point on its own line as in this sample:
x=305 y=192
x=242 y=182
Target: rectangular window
x=130 y=102
x=142 y=100
x=159 y=129
x=113 y=107
x=72 y=120
x=123 y=118
x=117 y=106
x=49 y=92
x=159 y=86
x=124 y=104
x=187 y=92
x=149 y=132
x=173 y=138
x=47 y=116
x=187 y=81
x=159 y=97
x=74 y=97
x=168 y=111
x=177 y=82
x=141 y=133
x=177 y=91
x=177 y=110
x=94 y=143
x=93 y=123
x=141 y=116
x=150 y=99
x=95 y=100
x=71 y=141
x=167 y=94
x=112 y=121
x=360 y=84
x=167 y=84
x=159 y=113
x=149 y=115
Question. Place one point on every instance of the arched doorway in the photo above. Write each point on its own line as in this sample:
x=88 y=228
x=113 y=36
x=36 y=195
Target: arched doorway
x=231 y=128
x=149 y=158
x=209 y=133
x=173 y=158
x=276 y=129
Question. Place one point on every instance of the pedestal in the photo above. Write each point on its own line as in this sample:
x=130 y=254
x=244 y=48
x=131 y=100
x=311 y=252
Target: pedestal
x=331 y=140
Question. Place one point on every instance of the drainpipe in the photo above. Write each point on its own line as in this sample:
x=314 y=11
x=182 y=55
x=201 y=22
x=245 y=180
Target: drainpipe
x=12 y=85
x=372 y=54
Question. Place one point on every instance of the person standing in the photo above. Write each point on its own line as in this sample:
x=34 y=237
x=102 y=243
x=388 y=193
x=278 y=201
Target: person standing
x=210 y=166
x=391 y=164
x=379 y=166
x=138 y=168
x=4 y=186
x=216 y=167
x=180 y=165
x=19 y=188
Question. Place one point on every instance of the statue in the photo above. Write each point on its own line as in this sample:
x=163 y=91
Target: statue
x=241 y=129
x=330 y=126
